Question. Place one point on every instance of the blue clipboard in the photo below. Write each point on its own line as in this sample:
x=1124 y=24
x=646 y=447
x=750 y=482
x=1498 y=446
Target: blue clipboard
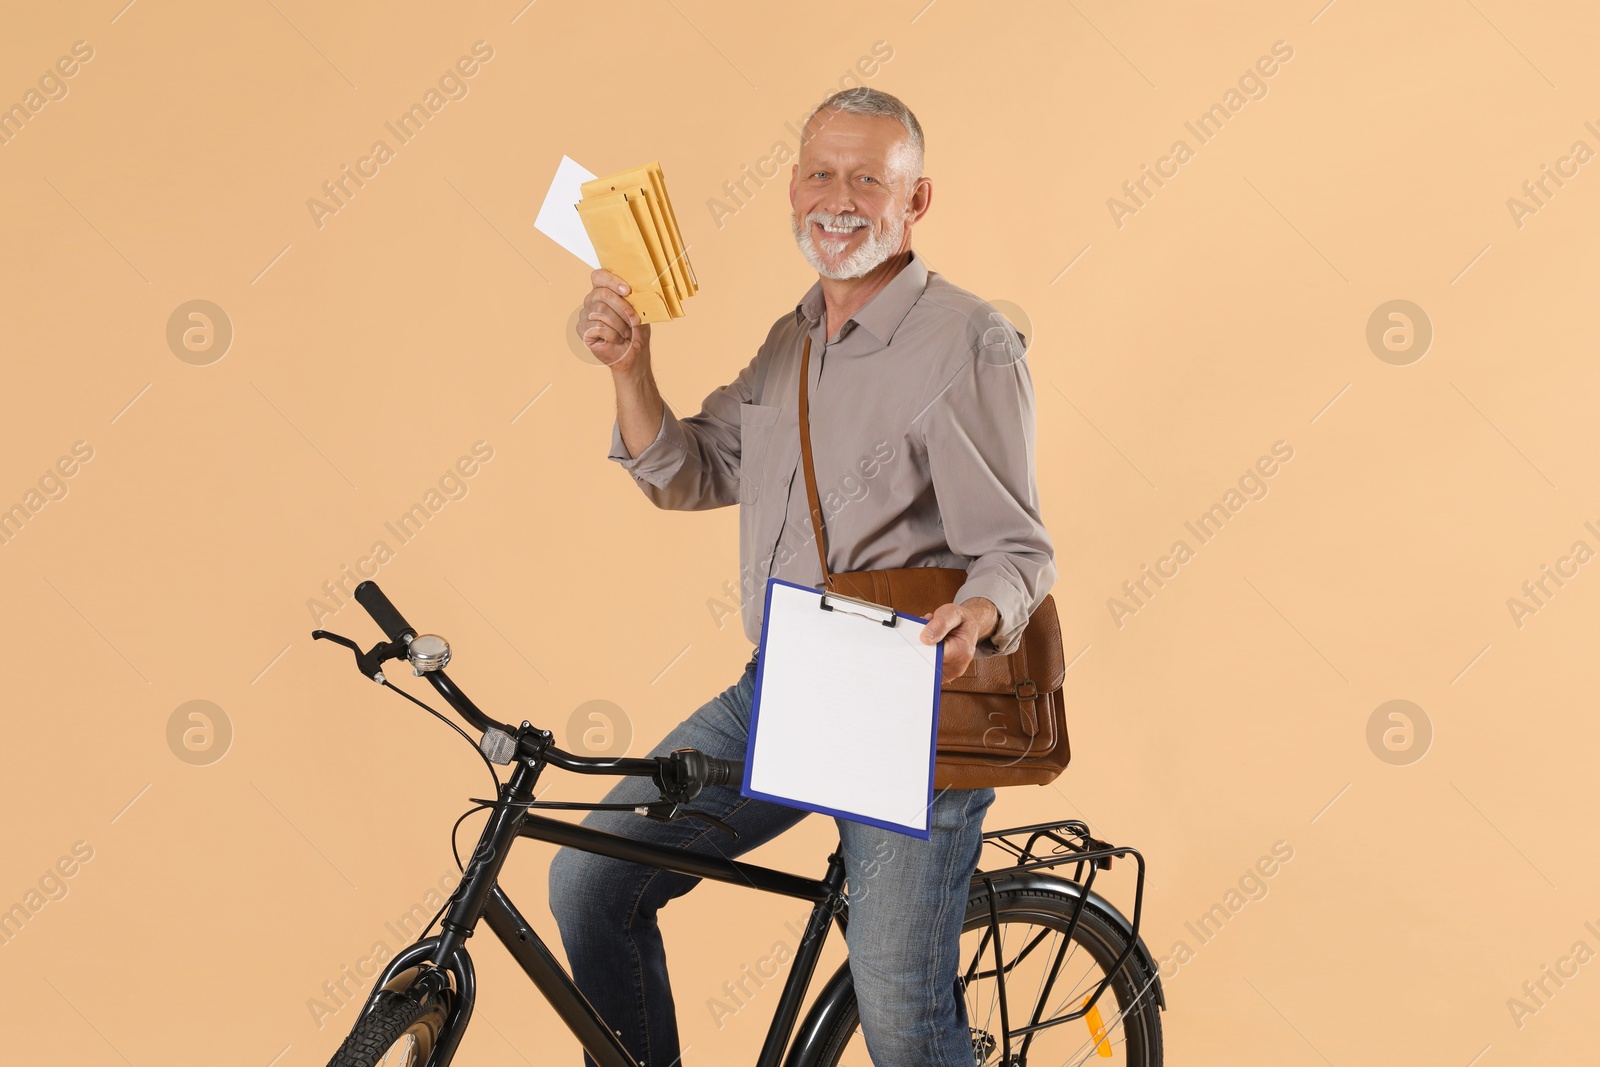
x=845 y=603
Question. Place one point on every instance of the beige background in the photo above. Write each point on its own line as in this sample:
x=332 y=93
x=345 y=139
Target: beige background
x=1228 y=313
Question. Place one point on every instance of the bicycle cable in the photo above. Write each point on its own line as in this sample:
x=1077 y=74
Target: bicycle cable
x=479 y=806
x=456 y=852
x=562 y=805
x=492 y=774
x=478 y=803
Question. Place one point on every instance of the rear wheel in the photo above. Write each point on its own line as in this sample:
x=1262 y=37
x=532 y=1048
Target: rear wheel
x=399 y=1031
x=1124 y=1027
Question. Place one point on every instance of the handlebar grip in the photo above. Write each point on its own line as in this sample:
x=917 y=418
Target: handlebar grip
x=723 y=771
x=686 y=771
x=385 y=614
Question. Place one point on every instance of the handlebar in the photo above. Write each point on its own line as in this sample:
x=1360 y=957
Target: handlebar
x=681 y=775
x=384 y=613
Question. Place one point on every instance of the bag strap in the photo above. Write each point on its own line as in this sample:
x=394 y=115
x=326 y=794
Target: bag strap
x=811 y=475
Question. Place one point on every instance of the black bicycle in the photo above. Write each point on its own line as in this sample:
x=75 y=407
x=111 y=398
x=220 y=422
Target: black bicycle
x=1040 y=950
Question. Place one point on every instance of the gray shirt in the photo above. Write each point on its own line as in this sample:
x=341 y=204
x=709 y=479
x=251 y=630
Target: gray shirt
x=922 y=435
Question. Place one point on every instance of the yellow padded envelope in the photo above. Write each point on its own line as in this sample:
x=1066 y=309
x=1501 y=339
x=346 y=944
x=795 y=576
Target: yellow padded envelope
x=612 y=227
x=660 y=256
x=649 y=254
x=649 y=183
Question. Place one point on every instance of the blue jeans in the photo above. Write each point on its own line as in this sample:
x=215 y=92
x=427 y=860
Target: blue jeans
x=907 y=902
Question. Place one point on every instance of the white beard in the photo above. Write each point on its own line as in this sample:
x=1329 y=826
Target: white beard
x=874 y=250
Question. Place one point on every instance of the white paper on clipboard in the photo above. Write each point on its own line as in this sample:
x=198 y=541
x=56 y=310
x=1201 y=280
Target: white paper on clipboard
x=846 y=710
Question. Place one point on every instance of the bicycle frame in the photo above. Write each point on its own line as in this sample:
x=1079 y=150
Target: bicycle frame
x=478 y=896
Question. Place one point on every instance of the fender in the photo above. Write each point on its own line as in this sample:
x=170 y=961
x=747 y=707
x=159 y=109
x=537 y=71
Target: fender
x=840 y=989
x=466 y=991
x=1141 y=956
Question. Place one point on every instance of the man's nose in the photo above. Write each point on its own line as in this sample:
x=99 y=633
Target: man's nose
x=839 y=199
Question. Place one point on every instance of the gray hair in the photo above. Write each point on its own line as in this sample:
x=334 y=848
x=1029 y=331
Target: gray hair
x=861 y=100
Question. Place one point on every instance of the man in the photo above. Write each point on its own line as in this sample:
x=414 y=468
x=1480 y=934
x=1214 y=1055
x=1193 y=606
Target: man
x=921 y=414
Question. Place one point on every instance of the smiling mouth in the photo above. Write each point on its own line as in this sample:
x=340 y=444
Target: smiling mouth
x=834 y=238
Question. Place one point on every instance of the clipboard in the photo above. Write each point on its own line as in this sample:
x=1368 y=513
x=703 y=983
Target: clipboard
x=845 y=714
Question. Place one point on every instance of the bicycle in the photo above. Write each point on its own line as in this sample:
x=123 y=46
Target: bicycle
x=420 y=1005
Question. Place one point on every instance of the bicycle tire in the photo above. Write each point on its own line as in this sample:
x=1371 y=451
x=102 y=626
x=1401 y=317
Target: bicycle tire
x=400 y=1021
x=1098 y=934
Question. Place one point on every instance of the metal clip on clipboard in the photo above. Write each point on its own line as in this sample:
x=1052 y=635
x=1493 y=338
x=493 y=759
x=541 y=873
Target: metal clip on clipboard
x=867 y=604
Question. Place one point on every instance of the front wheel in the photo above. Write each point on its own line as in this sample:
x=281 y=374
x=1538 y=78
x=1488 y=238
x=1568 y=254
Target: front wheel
x=1124 y=1027
x=400 y=1030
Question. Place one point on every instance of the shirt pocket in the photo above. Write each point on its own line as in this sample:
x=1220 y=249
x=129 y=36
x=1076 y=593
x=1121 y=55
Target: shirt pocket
x=756 y=422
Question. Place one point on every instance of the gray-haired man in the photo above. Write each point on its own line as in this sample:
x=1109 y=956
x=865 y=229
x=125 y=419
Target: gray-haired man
x=916 y=395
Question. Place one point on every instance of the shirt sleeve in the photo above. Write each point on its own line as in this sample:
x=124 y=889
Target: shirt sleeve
x=693 y=463
x=978 y=433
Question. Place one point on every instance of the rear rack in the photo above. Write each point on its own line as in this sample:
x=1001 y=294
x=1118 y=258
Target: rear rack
x=1044 y=847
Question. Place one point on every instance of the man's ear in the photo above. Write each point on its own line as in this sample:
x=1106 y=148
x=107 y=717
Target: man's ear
x=921 y=198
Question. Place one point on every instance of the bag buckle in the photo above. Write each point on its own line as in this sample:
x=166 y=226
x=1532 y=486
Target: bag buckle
x=1031 y=692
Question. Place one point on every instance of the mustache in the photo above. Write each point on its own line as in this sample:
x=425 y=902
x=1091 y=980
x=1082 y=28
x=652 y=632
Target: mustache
x=823 y=218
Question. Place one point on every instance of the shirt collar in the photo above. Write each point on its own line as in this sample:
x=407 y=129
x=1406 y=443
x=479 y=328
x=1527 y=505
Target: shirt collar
x=882 y=315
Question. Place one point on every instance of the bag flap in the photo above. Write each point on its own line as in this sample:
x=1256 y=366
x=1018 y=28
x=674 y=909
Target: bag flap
x=922 y=590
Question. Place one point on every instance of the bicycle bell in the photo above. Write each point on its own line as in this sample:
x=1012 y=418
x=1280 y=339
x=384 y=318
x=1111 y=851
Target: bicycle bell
x=428 y=652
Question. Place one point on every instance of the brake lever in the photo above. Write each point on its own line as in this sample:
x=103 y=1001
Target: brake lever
x=369 y=663
x=669 y=811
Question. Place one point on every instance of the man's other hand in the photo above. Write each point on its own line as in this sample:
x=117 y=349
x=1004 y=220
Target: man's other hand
x=961 y=626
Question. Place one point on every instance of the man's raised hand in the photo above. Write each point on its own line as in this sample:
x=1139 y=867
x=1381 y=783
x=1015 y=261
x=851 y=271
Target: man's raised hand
x=609 y=327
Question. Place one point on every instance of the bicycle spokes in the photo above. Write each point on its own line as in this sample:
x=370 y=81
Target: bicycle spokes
x=1024 y=984
x=404 y=1053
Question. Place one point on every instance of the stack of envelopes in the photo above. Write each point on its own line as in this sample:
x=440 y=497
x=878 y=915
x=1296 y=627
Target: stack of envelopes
x=635 y=234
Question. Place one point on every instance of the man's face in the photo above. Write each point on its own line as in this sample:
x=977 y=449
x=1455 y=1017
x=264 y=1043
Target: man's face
x=853 y=193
